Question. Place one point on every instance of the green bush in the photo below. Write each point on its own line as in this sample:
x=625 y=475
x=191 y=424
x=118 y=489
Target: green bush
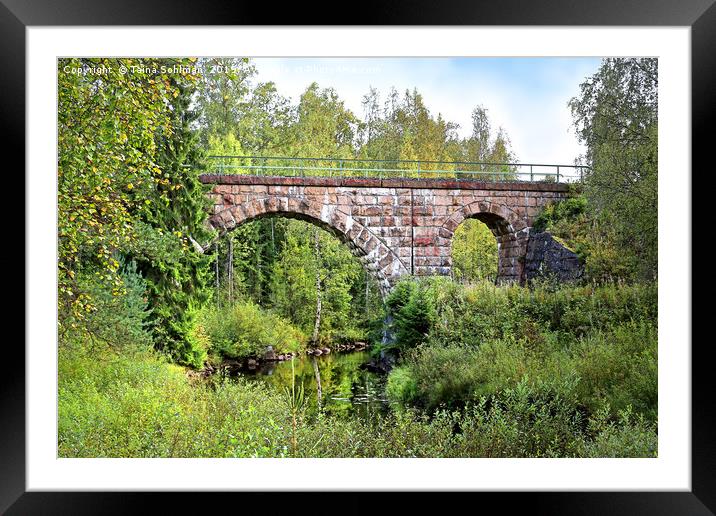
x=617 y=365
x=595 y=238
x=527 y=420
x=411 y=307
x=119 y=319
x=453 y=376
x=620 y=366
x=484 y=338
x=474 y=313
x=245 y=330
x=628 y=436
x=494 y=372
x=138 y=405
x=553 y=213
x=401 y=386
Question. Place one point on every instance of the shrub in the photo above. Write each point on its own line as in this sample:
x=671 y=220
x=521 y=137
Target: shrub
x=120 y=405
x=119 y=319
x=401 y=386
x=484 y=338
x=628 y=436
x=483 y=311
x=595 y=238
x=619 y=366
x=411 y=308
x=245 y=330
x=200 y=343
x=453 y=376
x=499 y=372
x=138 y=405
x=553 y=213
x=528 y=420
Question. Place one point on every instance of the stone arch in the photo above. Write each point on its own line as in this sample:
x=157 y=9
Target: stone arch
x=510 y=230
x=378 y=259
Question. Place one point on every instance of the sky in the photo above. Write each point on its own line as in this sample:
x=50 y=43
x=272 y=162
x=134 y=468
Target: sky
x=525 y=96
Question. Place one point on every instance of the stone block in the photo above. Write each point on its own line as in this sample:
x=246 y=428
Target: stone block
x=445 y=233
x=222 y=189
x=371 y=244
x=451 y=225
x=441 y=211
x=227 y=219
x=423 y=241
x=423 y=210
x=385 y=260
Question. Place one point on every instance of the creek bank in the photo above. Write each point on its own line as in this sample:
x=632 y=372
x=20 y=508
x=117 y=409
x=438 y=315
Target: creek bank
x=233 y=366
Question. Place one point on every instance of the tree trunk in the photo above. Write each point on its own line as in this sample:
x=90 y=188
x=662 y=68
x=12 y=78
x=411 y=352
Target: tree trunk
x=231 y=271
x=317 y=373
x=367 y=291
x=316 y=326
x=258 y=287
x=273 y=242
x=216 y=272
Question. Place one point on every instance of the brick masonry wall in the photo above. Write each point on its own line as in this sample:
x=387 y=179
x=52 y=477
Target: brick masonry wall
x=396 y=226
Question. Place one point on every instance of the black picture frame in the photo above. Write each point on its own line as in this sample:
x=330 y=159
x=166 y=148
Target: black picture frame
x=700 y=15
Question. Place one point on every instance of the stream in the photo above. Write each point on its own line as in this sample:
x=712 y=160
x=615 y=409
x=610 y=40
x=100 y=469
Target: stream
x=347 y=389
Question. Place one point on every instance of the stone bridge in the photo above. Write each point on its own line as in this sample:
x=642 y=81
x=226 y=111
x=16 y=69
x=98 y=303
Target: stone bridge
x=396 y=226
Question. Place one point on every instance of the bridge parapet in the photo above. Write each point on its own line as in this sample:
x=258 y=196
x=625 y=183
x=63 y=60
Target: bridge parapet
x=394 y=182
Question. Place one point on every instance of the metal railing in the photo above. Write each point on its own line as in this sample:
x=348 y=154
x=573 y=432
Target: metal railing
x=283 y=166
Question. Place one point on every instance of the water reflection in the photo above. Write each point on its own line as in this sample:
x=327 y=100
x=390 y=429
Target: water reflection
x=345 y=389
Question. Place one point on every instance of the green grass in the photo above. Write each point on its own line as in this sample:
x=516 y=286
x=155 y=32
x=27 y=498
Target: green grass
x=500 y=372
x=597 y=346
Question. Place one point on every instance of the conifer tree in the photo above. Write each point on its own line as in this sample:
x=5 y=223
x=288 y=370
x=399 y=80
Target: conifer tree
x=177 y=273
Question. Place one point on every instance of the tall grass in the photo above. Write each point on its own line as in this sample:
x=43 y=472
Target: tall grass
x=484 y=340
x=499 y=372
x=141 y=406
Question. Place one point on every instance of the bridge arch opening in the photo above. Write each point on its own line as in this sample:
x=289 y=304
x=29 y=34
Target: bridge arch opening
x=301 y=271
x=380 y=262
x=508 y=230
x=475 y=254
